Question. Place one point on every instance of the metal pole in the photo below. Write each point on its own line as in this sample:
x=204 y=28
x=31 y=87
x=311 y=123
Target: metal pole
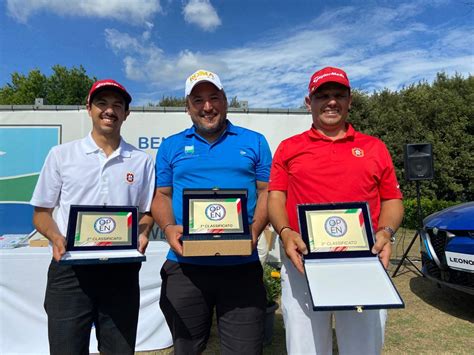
x=418 y=201
x=417 y=234
x=405 y=256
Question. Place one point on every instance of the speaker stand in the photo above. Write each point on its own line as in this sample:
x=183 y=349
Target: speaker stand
x=405 y=256
x=415 y=237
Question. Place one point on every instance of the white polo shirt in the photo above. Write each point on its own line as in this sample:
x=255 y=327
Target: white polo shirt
x=79 y=173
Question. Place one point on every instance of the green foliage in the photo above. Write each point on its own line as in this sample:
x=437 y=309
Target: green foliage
x=68 y=86
x=411 y=219
x=63 y=87
x=440 y=113
x=170 y=101
x=271 y=281
x=234 y=102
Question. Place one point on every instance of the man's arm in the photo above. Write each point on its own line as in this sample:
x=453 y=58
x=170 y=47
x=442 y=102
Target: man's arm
x=145 y=225
x=46 y=225
x=260 y=217
x=292 y=242
x=391 y=215
x=162 y=211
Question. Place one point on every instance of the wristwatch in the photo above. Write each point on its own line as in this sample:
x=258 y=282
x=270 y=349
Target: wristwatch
x=390 y=230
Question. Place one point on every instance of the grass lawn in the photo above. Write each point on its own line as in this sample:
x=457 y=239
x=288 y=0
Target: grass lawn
x=435 y=320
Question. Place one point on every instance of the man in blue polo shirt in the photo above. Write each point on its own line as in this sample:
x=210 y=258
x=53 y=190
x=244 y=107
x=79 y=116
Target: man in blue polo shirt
x=212 y=153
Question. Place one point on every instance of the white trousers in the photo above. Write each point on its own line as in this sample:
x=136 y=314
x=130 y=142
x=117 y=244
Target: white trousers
x=310 y=332
x=262 y=248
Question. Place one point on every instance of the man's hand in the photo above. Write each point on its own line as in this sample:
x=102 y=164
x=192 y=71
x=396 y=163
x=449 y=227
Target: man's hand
x=45 y=224
x=59 y=247
x=142 y=243
x=294 y=247
x=173 y=235
x=383 y=247
x=391 y=214
x=292 y=242
x=254 y=241
x=145 y=225
x=260 y=217
x=255 y=236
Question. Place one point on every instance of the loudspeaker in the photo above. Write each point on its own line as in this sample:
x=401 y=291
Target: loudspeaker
x=418 y=162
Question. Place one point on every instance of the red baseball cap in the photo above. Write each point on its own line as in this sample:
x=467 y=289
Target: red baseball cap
x=108 y=84
x=327 y=75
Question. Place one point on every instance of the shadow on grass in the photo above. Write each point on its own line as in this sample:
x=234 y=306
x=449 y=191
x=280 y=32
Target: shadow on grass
x=278 y=344
x=276 y=347
x=449 y=301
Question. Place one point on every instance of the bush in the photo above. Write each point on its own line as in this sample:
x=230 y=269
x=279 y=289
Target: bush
x=440 y=113
x=271 y=280
x=428 y=207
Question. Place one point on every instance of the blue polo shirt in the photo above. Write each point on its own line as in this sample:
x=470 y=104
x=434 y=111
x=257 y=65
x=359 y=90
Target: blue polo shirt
x=237 y=159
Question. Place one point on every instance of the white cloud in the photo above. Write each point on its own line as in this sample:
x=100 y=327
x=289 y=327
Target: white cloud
x=378 y=47
x=136 y=12
x=144 y=61
x=202 y=14
x=2 y=153
x=456 y=39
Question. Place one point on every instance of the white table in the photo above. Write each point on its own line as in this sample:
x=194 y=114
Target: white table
x=23 y=322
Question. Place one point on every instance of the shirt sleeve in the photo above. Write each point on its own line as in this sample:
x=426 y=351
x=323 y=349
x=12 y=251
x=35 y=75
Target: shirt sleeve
x=388 y=186
x=262 y=170
x=279 y=171
x=48 y=187
x=149 y=184
x=163 y=167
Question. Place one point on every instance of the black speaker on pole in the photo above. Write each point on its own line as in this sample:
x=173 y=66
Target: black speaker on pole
x=418 y=162
x=418 y=166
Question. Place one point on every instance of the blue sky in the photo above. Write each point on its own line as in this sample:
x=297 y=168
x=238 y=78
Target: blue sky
x=264 y=50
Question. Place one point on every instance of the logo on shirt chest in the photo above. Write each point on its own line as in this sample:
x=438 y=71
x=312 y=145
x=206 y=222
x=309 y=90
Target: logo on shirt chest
x=189 y=149
x=357 y=152
x=130 y=177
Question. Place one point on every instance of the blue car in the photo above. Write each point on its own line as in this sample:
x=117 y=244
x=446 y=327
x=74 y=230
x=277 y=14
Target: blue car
x=447 y=251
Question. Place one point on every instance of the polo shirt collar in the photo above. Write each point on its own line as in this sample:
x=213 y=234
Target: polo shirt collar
x=230 y=129
x=90 y=146
x=314 y=134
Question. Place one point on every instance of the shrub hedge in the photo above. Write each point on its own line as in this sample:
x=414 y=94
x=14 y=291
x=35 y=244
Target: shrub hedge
x=428 y=207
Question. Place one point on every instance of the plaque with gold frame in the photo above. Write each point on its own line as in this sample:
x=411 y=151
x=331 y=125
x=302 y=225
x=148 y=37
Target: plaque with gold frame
x=340 y=268
x=102 y=234
x=215 y=222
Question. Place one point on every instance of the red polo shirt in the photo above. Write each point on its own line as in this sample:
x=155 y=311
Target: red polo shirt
x=312 y=168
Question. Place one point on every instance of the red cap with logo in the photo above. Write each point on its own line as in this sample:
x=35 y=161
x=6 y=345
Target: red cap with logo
x=327 y=75
x=108 y=84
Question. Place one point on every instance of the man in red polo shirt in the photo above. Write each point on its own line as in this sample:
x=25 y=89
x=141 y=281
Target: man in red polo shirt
x=331 y=162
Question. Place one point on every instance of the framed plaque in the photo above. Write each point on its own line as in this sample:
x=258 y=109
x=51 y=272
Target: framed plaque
x=340 y=268
x=102 y=234
x=215 y=222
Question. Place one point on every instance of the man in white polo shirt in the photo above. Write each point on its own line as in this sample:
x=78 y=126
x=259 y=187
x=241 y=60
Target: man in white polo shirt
x=100 y=169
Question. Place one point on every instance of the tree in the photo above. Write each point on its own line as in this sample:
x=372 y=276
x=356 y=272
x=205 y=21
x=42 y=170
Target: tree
x=440 y=113
x=171 y=101
x=234 y=102
x=63 y=87
x=69 y=87
x=23 y=89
